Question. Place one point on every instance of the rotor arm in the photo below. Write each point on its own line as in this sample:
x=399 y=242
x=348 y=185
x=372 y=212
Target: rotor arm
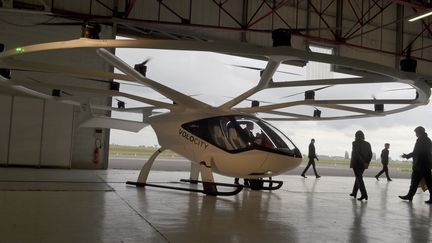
x=265 y=81
x=332 y=104
x=315 y=82
x=172 y=94
x=69 y=70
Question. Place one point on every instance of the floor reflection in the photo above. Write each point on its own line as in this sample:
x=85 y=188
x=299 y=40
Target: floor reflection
x=302 y=211
x=420 y=222
x=244 y=218
x=358 y=233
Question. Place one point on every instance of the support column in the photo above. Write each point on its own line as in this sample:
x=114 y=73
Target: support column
x=399 y=34
x=339 y=20
x=244 y=21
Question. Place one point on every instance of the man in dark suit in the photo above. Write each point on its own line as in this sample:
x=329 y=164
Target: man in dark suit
x=421 y=167
x=361 y=156
x=312 y=156
x=384 y=162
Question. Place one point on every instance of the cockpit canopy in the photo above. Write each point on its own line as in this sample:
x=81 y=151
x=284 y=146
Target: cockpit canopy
x=240 y=133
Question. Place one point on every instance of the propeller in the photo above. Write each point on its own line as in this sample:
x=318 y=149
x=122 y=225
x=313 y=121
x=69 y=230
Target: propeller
x=120 y=104
x=165 y=98
x=58 y=93
x=145 y=61
x=252 y=100
x=324 y=87
x=262 y=69
x=142 y=67
x=389 y=90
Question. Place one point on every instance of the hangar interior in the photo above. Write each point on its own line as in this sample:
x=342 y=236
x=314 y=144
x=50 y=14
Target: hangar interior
x=41 y=133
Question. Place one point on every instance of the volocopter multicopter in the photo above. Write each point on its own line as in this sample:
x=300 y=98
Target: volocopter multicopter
x=214 y=139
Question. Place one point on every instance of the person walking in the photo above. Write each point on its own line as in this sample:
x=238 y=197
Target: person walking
x=361 y=156
x=384 y=162
x=421 y=167
x=312 y=156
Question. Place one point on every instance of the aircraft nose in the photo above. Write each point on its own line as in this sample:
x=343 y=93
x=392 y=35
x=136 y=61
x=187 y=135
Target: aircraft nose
x=278 y=163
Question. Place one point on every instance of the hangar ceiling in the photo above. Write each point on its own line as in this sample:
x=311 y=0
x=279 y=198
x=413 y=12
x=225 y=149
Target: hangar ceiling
x=354 y=26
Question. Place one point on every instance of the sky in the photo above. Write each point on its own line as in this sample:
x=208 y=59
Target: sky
x=212 y=78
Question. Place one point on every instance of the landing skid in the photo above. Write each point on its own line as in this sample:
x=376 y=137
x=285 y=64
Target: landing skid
x=209 y=188
x=258 y=184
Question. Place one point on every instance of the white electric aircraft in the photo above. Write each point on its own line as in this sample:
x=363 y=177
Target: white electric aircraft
x=215 y=139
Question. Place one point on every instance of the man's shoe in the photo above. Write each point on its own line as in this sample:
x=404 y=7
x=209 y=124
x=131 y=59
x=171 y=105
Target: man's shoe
x=429 y=201
x=376 y=177
x=303 y=175
x=406 y=197
x=389 y=179
x=353 y=195
x=318 y=176
x=362 y=197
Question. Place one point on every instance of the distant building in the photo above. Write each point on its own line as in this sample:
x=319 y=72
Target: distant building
x=346 y=155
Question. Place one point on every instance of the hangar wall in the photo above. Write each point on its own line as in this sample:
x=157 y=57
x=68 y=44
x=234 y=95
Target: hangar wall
x=43 y=133
x=35 y=132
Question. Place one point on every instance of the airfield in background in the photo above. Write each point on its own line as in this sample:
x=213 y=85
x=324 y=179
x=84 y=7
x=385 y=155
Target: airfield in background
x=134 y=157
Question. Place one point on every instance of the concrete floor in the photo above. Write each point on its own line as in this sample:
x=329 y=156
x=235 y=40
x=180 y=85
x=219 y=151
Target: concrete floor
x=48 y=205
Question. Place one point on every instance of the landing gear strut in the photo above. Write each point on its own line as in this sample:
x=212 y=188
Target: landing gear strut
x=209 y=186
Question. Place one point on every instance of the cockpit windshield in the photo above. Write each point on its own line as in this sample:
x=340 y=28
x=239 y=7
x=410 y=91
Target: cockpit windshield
x=239 y=133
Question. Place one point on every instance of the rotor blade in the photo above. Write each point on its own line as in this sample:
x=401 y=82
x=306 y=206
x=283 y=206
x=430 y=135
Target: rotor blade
x=261 y=69
x=261 y=101
x=293 y=95
x=397 y=89
x=248 y=67
x=296 y=74
x=146 y=61
x=324 y=87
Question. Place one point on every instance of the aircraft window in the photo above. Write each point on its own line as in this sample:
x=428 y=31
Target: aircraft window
x=265 y=135
x=234 y=133
x=279 y=138
x=212 y=130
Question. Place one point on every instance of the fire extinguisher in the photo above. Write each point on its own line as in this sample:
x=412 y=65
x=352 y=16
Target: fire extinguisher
x=96 y=154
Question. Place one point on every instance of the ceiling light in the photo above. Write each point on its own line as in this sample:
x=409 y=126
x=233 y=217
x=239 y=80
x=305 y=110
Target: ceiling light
x=420 y=16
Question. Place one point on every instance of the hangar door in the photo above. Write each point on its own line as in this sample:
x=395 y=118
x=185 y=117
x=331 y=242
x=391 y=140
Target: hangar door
x=35 y=132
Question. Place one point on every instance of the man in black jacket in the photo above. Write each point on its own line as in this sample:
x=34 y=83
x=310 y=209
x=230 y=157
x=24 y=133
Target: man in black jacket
x=421 y=168
x=384 y=162
x=361 y=156
x=312 y=156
